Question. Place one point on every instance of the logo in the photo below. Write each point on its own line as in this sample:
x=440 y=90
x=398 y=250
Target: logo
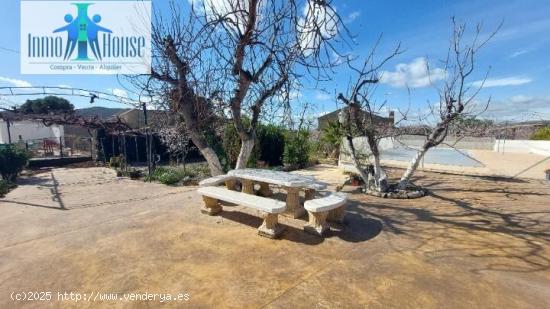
x=63 y=37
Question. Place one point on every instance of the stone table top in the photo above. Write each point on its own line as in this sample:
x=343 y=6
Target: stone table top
x=277 y=178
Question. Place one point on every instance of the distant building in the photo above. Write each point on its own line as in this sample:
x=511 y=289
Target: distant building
x=29 y=130
x=324 y=120
x=519 y=130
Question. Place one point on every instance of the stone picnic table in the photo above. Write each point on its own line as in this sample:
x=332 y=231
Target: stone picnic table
x=291 y=183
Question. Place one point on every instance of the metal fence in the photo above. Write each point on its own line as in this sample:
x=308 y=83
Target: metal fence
x=62 y=147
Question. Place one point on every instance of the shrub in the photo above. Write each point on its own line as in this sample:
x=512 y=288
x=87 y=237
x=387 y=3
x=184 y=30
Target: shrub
x=331 y=138
x=542 y=134
x=5 y=187
x=297 y=147
x=271 y=141
x=171 y=175
x=12 y=161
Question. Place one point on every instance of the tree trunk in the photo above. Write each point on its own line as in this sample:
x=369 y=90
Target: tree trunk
x=413 y=165
x=198 y=138
x=356 y=162
x=247 y=145
x=380 y=178
x=435 y=138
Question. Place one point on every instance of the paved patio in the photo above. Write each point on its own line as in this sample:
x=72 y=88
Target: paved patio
x=473 y=242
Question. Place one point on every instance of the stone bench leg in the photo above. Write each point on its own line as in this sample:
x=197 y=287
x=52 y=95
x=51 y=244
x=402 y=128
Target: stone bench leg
x=230 y=184
x=337 y=215
x=211 y=206
x=248 y=186
x=270 y=227
x=317 y=224
x=310 y=194
x=265 y=191
x=293 y=205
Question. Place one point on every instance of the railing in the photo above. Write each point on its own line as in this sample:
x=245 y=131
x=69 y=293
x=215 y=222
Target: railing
x=60 y=147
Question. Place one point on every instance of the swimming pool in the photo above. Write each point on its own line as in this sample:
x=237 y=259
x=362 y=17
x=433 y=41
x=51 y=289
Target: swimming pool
x=443 y=156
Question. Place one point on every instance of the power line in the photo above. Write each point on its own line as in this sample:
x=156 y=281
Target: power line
x=93 y=95
x=9 y=50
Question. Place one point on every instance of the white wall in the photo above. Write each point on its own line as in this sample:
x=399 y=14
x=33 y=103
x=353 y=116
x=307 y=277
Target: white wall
x=523 y=146
x=29 y=130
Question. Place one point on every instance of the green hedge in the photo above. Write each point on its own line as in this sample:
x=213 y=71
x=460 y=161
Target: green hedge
x=297 y=148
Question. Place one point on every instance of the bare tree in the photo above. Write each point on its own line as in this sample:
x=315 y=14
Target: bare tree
x=236 y=57
x=457 y=96
x=360 y=118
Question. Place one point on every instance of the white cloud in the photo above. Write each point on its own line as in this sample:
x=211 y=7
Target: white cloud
x=520 y=108
x=322 y=96
x=502 y=82
x=518 y=53
x=352 y=16
x=233 y=10
x=15 y=82
x=414 y=75
x=119 y=92
x=316 y=16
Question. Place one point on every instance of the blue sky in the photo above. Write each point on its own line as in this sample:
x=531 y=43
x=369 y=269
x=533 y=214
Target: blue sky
x=518 y=55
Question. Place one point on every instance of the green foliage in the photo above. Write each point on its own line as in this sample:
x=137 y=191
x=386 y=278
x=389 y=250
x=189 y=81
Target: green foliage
x=117 y=162
x=5 y=187
x=46 y=105
x=172 y=175
x=331 y=137
x=542 y=134
x=12 y=161
x=271 y=141
x=297 y=148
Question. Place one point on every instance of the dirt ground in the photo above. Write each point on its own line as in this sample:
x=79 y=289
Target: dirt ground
x=473 y=242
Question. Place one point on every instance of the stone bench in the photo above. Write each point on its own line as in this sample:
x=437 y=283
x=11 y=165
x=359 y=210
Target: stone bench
x=271 y=208
x=320 y=210
x=228 y=180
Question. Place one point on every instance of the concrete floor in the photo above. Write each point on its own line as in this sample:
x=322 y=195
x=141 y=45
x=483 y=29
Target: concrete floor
x=474 y=242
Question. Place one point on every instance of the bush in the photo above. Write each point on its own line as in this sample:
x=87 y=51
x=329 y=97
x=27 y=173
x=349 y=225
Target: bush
x=171 y=175
x=542 y=134
x=5 y=187
x=297 y=148
x=271 y=141
x=12 y=161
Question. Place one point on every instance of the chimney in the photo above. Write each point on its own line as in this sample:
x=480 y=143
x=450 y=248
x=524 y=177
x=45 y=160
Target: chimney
x=392 y=117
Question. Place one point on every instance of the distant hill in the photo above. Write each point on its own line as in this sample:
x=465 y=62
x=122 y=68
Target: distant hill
x=102 y=112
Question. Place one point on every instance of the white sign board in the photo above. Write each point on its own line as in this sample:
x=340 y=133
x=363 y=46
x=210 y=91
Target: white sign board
x=85 y=37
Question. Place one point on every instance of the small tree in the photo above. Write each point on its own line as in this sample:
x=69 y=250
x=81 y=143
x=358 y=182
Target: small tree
x=177 y=141
x=238 y=57
x=456 y=103
x=331 y=137
x=49 y=104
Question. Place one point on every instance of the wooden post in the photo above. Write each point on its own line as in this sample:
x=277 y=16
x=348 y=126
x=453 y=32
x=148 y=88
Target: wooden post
x=60 y=147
